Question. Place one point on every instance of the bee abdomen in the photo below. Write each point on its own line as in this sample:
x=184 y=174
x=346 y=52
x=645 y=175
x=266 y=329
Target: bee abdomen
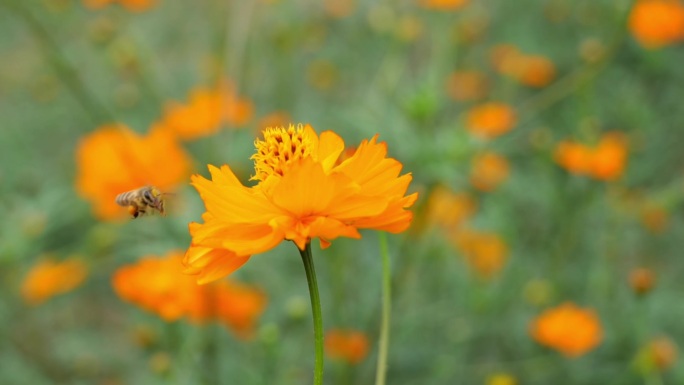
x=124 y=199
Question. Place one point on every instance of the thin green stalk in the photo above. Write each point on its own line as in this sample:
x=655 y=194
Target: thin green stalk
x=316 y=310
x=381 y=370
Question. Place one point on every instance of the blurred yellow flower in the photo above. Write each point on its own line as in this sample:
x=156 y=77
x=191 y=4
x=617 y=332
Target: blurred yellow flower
x=206 y=111
x=488 y=171
x=490 y=120
x=48 y=278
x=346 y=345
x=302 y=193
x=485 y=252
x=443 y=5
x=501 y=379
x=655 y=23
x=113 y=159
x=568 y=329
x=130 y=5
x=159 y=285
x=467 y=85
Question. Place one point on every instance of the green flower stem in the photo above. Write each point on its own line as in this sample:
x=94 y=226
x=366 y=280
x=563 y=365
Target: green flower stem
x=381 y=369
x=316 y=309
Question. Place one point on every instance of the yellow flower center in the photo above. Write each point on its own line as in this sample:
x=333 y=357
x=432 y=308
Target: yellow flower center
x=280 y=148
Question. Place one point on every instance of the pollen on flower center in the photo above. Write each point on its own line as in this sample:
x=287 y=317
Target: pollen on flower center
x=279 y=148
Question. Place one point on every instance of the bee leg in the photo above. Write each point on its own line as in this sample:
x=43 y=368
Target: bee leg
x=133 y=210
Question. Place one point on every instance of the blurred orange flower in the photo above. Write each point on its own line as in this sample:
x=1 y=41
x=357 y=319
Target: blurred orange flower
x=48 y=278
x=654 y=218
x=339 y=9
x=655 y=23
x=663 y=353
x=113 y=159
x=574 y=157
x=490 y=120
x=568 y=329
x=302 y=193
x=530 y=70
x=449 y=210
x=606 y=161
x=488 y=171
x=536 y=71
x=131 y=5
x=443 y=5
x=159 y=285
x=346 y=345
x=238 y=306
x=206 y=111
x=641 y=280
x=485 y=252
x=467 y=85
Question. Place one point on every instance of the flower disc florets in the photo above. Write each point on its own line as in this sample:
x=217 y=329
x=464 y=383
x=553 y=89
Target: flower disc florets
x=280 y=148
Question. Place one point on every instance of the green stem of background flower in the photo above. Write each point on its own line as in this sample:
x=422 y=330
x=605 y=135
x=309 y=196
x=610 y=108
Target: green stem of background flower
x=381 y=369
x=316 y=310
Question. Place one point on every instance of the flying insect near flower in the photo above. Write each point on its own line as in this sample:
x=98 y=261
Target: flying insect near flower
x=142 y=200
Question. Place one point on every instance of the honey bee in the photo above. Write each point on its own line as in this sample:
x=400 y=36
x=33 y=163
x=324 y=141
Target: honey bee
x=142 y=199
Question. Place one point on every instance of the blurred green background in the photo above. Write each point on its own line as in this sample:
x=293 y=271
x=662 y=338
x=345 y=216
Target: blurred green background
x=383 y=68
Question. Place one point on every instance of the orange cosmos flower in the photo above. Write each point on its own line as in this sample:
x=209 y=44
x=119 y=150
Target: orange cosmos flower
x=655 y=23
x=206 y=111
x=574 y=157
x=339 y=9
x=160 y=286
x=466 y=85
x=238 y=306
x=536 y=71
x=606 y=161
x=449 y=210
x=485 y=252
x=662 y=353
x=654 y=217
x=569 y=329
x=642 y=280
x=302 y=194
x=610 y=157
x=346 y=345
x=443 y=5
x=48 y=278
x=131 y=5
x=113 y=159
x=490 y=120
x=530 y=70
x=488 y=171
x=504 y=58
